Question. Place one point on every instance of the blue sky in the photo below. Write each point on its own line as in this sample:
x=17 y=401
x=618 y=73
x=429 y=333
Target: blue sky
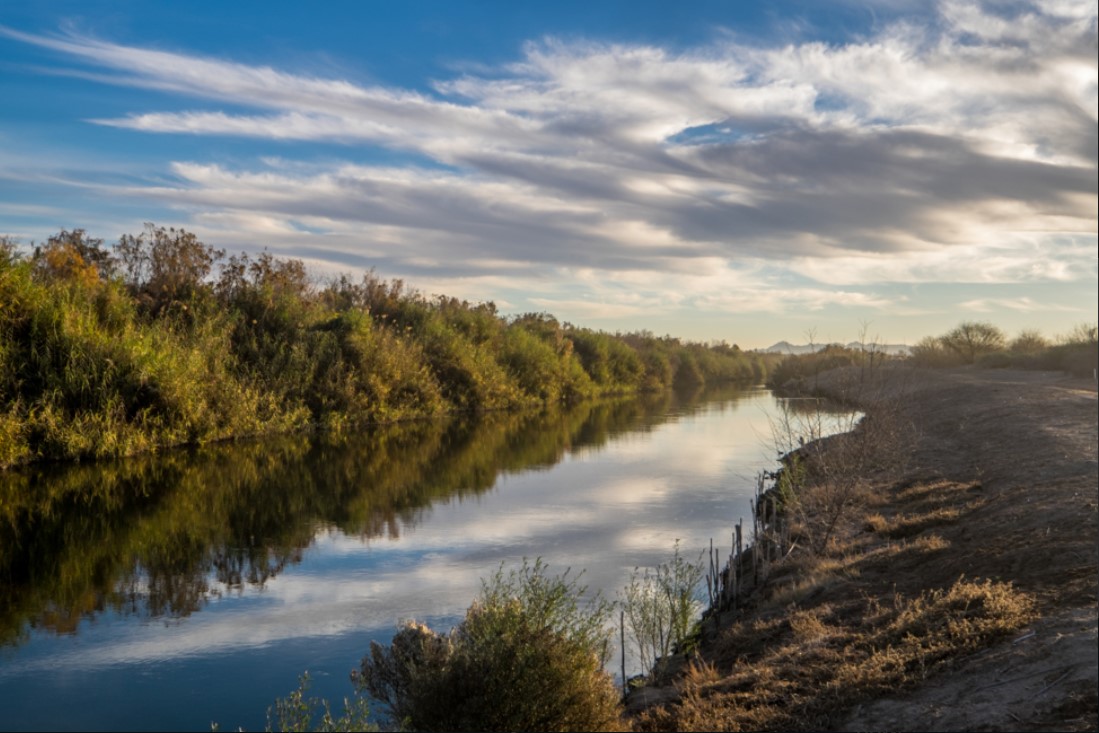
x=714 y=170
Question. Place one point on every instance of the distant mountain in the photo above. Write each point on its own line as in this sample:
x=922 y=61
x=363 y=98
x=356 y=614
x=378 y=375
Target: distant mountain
x=785 y=347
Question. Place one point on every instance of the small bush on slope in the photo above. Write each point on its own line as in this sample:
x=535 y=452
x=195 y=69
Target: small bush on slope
x=527 y=656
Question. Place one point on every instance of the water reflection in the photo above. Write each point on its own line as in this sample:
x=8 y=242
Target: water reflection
x=162 y=535
x=168 y=591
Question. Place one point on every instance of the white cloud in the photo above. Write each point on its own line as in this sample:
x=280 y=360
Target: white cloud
x=956 y=148
x=1022 y=305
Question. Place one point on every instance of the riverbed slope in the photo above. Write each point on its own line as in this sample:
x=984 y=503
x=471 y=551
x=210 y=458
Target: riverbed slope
x=997 y=480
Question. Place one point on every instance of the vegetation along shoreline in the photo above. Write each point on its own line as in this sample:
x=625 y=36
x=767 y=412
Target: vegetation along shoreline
x=162 y=340
x=897 y=568
x=933 y=568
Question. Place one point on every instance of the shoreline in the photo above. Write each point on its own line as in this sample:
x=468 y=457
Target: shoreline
x=989 y=477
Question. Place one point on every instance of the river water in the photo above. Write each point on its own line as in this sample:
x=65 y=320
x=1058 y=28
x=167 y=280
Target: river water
x=171 y=591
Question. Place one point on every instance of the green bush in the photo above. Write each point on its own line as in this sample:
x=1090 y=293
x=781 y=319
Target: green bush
x=299 y=713
x=529 y=655
x=802 y=367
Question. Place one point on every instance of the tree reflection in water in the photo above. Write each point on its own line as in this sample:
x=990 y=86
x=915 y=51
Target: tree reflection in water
x=162 y=535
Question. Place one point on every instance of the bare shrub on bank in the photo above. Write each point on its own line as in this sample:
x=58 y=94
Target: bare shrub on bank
x=660 y=607
x=831 y=456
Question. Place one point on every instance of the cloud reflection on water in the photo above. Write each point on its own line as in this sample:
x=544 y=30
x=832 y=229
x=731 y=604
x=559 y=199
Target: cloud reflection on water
x=613 y=505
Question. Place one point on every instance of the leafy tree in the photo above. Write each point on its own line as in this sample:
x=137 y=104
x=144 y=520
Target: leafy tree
x=73 y=256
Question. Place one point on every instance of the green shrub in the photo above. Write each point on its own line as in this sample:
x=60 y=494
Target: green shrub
x=296 y=712
x=529 y=655
x=471 y=376
x=541 y=361
x=801 y=367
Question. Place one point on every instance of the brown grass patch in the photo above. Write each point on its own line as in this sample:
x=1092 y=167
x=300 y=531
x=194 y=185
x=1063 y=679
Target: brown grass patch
x=908 y=525
x=803 y=670
x=923 y=506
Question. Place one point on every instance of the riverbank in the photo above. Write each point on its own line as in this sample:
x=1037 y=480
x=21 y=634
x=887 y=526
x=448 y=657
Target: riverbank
x=160 y=342
x=957 y=587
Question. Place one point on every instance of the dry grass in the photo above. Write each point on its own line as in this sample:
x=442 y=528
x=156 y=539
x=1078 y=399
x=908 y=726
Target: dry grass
x=804 y=669
x=908 y=525
x=832 y=629
x=881 y=599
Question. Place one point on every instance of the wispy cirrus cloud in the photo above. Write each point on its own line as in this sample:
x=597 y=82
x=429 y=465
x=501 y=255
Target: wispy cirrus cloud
x=1024 y=305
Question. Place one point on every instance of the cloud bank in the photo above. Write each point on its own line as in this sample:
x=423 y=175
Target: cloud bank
x=960 y=148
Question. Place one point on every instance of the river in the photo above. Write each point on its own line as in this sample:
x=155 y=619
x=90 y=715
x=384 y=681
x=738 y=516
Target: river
x=170 y=591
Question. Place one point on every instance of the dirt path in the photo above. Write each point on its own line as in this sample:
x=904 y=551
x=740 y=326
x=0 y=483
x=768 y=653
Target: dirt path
x=1028 y=440
x=979 y=475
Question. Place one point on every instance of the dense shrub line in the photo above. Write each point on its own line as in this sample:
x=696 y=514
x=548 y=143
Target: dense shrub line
x=986 y=346
x=969 y=343
x=795 y=370
x=162 y=340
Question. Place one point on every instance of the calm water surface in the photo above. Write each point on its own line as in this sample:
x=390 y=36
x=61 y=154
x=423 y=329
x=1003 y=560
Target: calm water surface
x=166 y=592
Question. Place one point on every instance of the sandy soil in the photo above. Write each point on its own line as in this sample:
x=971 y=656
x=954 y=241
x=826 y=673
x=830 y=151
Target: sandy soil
x=1019 y=451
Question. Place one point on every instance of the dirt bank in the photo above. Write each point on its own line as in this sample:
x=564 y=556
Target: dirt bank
x=999 y=481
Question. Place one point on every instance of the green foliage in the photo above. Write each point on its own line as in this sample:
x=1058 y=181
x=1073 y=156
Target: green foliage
x=660 y=606
x=529 y=655
x=110 y=352
x=611 y=364
x=542 y=363
x=800 y=369
x=471 y=375
x=296 y=712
